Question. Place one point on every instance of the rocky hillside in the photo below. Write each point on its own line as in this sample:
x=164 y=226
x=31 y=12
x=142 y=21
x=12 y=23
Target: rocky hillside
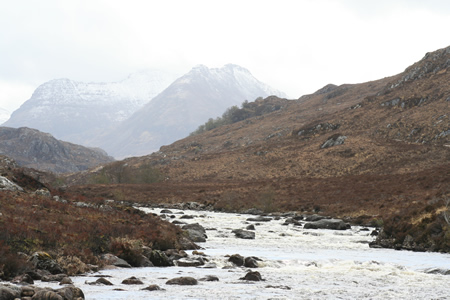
x=188 y=102
x=34 y=149
x=49 y=234
x=370 y=151
x=78 y=112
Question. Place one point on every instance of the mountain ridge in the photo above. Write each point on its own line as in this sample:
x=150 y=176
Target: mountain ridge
x=76 y=111
x=178 y=110
x=34 y=149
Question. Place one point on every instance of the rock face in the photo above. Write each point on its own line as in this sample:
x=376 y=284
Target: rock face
x=7 y=185
x=34 y=149
x=78 y=112
x=335 y=140
x=191 y=100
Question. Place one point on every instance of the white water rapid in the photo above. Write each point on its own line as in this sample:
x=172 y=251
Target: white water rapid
x=296 y=264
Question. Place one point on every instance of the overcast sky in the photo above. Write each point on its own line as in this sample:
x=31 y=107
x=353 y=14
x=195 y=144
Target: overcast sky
x=295 y=46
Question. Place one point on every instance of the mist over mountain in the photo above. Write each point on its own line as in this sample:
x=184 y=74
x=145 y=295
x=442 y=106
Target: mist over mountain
x=191 y=100
x=129 y=118
x=4 y=115
x=78 y=111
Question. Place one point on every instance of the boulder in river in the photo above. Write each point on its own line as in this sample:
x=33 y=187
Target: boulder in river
x=111 y=259
x=196 y=232
x=190 y=262
x=334 y=224
x=152 y=287
x=251 y=262
x=132 y=280
x=244 y=234
x=101 y=281
x=236 y=259
x=252 y=276
x=160 y=259
x=182 y=281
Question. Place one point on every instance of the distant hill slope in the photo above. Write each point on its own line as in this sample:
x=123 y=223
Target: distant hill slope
x=338 y=136
x=187 y=103
x=34 y=149
x=78 y=112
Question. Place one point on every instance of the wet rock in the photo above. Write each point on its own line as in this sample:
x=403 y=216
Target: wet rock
x=38 y=274
x=110 y=259
x=160 y=259
x=26 y=291
x=196 y=232
x=100 y=281
x=243 y=234
x=76 y=292
x=23 y=279
x=166 y=211
x=333 y=224
x=251 y=262
x=174 y=254
x=187 y=217
x=54 y=277
x=132 y=280
x=252 y=276
x=152 y=287
x=313 y=218
x=176 y=222
x=46 y=295
x=209 y=265
x=66 y=280
x=250 y=227
x=7 y=293
x=182 y=281
x=437 y=271
x=187 y=244
x=209 y=278
x=292 y=221
x=190 y=262
x=65 y=293
x=236 y=259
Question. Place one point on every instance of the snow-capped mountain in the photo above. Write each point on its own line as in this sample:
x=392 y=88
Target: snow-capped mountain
x=191 y=100
x=78 y=112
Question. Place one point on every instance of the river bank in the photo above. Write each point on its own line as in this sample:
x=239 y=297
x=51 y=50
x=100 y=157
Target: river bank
x=293 y=262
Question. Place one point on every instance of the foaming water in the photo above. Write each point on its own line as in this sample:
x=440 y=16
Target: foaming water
x=296 y=264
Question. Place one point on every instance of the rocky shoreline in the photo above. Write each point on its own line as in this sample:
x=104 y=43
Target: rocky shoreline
x=47 y=269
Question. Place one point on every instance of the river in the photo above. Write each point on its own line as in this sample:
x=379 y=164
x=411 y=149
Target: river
x=296 y=264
